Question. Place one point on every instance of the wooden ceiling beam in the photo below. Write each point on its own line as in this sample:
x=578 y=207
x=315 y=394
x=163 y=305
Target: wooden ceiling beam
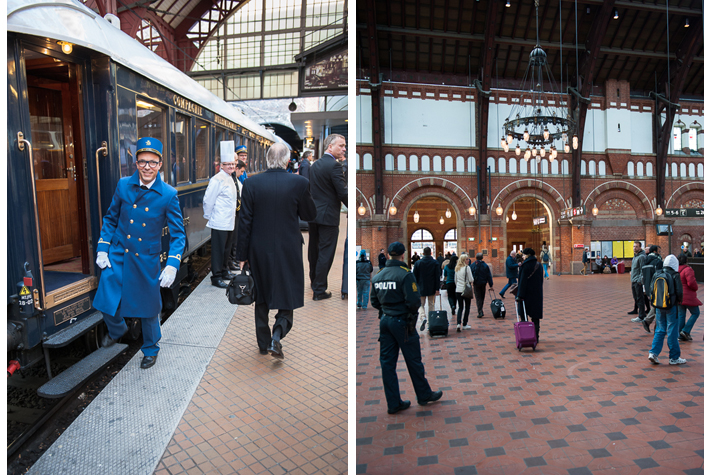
x=659 y=7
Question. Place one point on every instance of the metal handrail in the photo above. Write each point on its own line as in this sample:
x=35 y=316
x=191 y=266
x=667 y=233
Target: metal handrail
x=21 y=145
x=104 y=150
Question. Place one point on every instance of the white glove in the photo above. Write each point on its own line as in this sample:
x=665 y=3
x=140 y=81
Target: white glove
x=167 y=277
x=102 y=260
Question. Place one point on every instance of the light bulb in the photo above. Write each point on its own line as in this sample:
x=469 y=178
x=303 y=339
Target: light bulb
x=566 y=148
x=499 y=210
x=546 y=133
x=595 y=210
x=502 y=142
x=448 y=213
x=534 y=151
x=517 y=150
x=553 y=153
x=659 y=210
x=361 y=210
x=507 y=219
x=510 y=137
x=527 y=153
x=537 y=159
x=441 y=220
x=393 y=210
x=526 y=135
x=564 y=136
x=505 y=147
x=416 y=216
x=575 y=141
x=472 y=210
x=514 y=216
x=542 y=151
x=66 y=47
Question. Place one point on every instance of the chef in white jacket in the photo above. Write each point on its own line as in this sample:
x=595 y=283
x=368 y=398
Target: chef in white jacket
x=219 y=206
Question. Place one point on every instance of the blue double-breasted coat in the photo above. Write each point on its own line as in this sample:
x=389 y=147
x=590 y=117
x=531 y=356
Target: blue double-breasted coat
x=131 y=235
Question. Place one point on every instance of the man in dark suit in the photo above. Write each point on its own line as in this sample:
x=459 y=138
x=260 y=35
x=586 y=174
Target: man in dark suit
x=128 y=250
x=267 y=236
x=427 y=272
x=328 y=189
x=304 y=168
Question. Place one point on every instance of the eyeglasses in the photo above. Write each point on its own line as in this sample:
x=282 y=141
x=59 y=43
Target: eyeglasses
x=229 y=165
x=144 y=164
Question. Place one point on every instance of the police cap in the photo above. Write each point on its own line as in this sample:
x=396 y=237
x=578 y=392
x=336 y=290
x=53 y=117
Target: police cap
x=241 y=149
x=396 y=249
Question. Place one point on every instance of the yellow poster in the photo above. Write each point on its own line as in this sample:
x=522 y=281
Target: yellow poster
x=619 y=249
x=628 y=249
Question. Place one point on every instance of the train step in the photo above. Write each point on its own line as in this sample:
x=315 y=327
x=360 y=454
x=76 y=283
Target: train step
x=67 y=380
x=72 y=332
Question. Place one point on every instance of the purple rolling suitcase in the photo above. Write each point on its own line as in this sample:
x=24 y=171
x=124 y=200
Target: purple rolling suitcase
x=524 y=331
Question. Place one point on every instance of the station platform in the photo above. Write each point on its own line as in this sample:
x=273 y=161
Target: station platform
x=213 y=404
x=586 y=401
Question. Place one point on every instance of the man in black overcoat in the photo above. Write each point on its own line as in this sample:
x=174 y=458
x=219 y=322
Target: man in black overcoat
x=428 y=274
x=328 y=189
x=530 y=288
x=269 y=239
x=305 y=165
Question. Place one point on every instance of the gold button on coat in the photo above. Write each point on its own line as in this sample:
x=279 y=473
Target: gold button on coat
x=135 y=206
x=146 y=209
x=131 y=221
x=143 y=224
x=140 y=239
x=129 y=236
x=126 y=250
x=136 y=254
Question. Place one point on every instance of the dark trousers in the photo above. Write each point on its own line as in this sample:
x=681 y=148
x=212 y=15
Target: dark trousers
x=150 y=328
x=231 y=247
x=395 y=336
x=284 y=320
x=322 y=241
x=462 y=302
x=640 y=299
x=511 y=281
x=451 y=295
x=219 y=255
x=479 y=291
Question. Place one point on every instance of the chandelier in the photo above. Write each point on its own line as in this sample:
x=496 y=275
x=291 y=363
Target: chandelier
x=536 y=120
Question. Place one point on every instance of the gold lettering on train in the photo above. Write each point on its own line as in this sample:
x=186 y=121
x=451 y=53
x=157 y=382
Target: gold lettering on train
x=224 y=122
x=189 y=106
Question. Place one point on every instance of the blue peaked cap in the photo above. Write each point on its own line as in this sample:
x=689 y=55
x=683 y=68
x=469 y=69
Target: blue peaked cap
x=149 y=144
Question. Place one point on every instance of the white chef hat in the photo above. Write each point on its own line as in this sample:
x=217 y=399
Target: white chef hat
x=226 y=151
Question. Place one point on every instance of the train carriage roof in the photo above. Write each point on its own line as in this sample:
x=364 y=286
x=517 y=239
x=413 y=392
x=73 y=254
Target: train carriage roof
x=69 y=20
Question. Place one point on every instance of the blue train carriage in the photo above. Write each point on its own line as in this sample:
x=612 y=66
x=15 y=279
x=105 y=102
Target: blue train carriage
x=80 y=93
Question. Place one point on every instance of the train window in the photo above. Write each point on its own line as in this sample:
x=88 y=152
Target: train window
x=221 y=135
x=47 y=133
x=202 y=149
x=150 y=124
x=181 y=170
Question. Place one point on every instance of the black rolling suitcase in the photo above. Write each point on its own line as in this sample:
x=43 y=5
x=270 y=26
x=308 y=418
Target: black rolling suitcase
x=497 y=306
x=438 y=321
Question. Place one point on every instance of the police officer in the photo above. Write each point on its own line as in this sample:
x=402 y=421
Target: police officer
x=395 y=295
x=128 y=250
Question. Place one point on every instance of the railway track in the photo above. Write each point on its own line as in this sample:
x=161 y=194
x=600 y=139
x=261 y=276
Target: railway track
x=33 y=422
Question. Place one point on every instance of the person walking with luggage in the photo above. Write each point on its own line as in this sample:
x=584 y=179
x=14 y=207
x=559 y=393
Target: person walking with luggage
x=530 y=288
x=463 y=298
x=511 y=272
x=667 y=296
x=395 y=295
x=363 y=271
x=450 y=280
x=427 y=272
x=690 y=300
x=481 y=276
x=637 y=280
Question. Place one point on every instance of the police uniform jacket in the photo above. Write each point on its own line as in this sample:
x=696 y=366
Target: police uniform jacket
x=269 y=235
x=220 y=201
x=394 y=290
x=131 y=235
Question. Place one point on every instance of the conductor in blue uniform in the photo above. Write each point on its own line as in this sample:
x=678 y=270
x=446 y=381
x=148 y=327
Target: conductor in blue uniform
x=129 y=250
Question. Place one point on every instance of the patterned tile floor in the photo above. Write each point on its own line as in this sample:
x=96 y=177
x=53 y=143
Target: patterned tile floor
x=587 y=401
x=254 y=414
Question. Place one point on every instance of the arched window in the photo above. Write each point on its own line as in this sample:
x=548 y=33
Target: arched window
x=630 y=168
x=544 y=166
x=583 y=168
x=700 y=170
x=491 y=164
x=450 y=241
x=437 y=163
x=459 y=164
x=533 y=166
x=667 y=173
x=471 y=164
x=639 y=169
x=357 y=161
x=501 y=165
x=449 y=163
x=592 y=167
x=420 y=239
x=512 y=165
x=425 y=163
x=555 y=167
x=389 y=162
x=674 y=169
x=401 y=163
x=682 y=170
x=691 y=170
x=421 y=234
x=367 y=162
x=602 y=168
x=413 y=163
x=523 y=165
x=565 y=167
x=649 y=169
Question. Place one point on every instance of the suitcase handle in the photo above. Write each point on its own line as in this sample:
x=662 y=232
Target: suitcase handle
x=491 y=294
x=525 y=314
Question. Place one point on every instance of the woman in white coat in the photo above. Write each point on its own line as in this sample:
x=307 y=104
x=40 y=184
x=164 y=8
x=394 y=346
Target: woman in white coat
x=463 y=277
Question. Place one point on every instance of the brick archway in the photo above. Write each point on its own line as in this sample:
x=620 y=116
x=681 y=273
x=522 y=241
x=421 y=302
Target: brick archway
x=552 y=205
x=416 y=188
x=685 y=193
x=622 y=190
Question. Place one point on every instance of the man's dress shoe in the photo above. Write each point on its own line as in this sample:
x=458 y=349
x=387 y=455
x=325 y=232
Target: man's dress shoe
x=435 y=396
x=323 y=296
x=220 y=283
x=263 y=352
x=107 y=341
x=275 y=349
x=402 y=406
x=148 y=361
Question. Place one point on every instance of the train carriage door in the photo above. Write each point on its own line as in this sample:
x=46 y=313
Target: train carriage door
x=54 y=102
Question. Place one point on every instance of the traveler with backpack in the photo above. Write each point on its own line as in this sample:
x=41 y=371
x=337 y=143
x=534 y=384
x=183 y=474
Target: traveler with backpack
x=667 y=294
x=363 y=270
x=545 y=258
x=481 y=276
x=690 y=300
x=651 y=265
x=450 y=281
